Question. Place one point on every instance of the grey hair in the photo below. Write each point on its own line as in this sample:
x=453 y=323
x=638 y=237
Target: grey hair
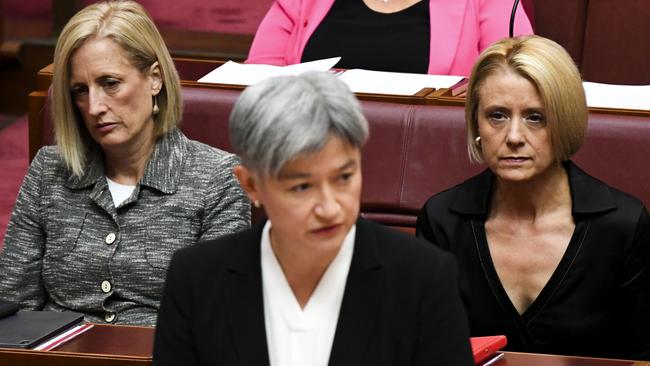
x=282 y=117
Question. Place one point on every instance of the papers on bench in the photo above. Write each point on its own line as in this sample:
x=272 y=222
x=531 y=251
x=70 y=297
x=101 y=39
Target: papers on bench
x=249 y=74
x=395 y=83
x=358 y=80
x=617 y=96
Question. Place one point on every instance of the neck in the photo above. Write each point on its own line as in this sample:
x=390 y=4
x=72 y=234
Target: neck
x=545 y=193
x=303 y=266
x=389 y=6
x=126 y=165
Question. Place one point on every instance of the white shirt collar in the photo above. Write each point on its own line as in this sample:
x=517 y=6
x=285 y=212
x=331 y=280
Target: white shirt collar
x=302 y=336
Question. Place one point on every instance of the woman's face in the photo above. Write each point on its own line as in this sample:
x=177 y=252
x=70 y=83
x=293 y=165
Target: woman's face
x=113 y=97
x=515 y=142
x=315 y=199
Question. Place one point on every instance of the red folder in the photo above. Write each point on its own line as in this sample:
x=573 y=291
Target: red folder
x=485 y=347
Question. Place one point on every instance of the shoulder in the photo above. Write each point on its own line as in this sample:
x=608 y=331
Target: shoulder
x=470 y=196
x=206 y=154
x=412 y=256
x=591 y=195
x=203 y=160
x=213 y=256
x=49 y=164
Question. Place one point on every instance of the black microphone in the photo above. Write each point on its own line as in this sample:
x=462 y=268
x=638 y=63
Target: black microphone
x=512 y=18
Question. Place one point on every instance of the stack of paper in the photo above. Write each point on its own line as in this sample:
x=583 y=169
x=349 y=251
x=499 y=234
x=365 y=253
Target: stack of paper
x=249 y=74
x=359 y=81
x=618 y=96
x=396 y=83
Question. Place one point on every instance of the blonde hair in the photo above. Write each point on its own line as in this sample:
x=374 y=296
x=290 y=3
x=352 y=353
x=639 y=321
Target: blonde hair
x=557 y=80
x=129 y=25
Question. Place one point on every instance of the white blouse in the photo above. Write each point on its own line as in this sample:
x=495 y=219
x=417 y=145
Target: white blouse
x=119 y=192
x=302 y=336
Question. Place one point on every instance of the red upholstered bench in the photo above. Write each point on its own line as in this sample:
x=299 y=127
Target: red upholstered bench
x=415 y=151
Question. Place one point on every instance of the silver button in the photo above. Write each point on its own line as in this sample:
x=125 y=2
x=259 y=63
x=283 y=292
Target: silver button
x=109 y=317
x=110 y=238
x=106 y=286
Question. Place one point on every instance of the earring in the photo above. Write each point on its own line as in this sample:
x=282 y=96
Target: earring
x=257 y=204
x=477 y=141
x=155 y=110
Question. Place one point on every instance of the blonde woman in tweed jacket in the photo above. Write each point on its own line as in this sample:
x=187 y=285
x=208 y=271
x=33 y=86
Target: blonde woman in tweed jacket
x=99 y=215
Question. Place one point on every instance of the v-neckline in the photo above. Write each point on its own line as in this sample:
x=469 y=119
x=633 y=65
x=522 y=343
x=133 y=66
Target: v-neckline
x=554 y=282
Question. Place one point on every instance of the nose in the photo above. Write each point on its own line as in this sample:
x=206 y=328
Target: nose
x=96 y=103
x=515 y=136
x=327 y=208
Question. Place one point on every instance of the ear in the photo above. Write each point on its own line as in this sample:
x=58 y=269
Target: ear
x=248 y=181
x=155 y=76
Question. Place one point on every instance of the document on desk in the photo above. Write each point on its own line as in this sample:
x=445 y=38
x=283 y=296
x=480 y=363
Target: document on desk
x=394 y=83
x=249 y=74
x=617 y=96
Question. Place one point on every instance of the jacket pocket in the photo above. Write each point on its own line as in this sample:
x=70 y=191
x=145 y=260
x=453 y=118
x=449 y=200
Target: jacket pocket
x=62 y=232
x=166 y=234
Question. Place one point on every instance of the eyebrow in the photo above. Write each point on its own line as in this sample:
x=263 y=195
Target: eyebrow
x=299 y=175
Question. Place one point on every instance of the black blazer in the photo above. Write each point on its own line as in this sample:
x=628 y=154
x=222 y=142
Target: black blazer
x=597 y=301
x=401 y=304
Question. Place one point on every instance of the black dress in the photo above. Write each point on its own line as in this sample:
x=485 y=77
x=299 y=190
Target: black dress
x=370 y=40
x=597 y=301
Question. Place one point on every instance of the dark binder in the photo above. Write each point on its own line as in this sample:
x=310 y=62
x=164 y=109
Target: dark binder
x=8 y=308
x=27 y=329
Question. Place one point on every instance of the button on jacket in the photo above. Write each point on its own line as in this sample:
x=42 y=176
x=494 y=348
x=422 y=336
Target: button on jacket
x=68 y=248
x=597 y=301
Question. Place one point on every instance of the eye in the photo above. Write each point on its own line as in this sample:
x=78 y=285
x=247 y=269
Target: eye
x=110 y=83
x=497 y=116
x=344 y=177
x=535 y=118
x=300 y=187
x=78 y=91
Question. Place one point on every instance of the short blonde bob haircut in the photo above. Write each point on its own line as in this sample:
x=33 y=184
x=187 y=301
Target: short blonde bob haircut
x=129 y=25
x=557 y=80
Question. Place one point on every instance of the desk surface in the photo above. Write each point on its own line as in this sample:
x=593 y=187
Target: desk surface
x=111 y=345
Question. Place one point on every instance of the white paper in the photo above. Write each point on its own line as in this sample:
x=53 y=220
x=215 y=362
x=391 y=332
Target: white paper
x=249 y=74
x=617 y=96
x=396 y=83
x=45 y=345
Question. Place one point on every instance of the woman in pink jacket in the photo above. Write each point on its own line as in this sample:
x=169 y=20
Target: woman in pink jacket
x=421 y=36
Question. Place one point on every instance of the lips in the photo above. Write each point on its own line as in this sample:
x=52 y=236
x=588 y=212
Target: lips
x=329 y=230
x=106 y=127
x=514 y=159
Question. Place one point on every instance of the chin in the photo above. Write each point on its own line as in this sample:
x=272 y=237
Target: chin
x=514 y=176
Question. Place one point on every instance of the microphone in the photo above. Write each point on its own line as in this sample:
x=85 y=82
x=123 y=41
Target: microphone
x=512 y=18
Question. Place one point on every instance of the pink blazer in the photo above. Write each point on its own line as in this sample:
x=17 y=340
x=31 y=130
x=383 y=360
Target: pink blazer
x=460 y=30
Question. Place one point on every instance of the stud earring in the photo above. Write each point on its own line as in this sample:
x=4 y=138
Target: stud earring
x=155 y=110
x=477 y=141
x=257 y=204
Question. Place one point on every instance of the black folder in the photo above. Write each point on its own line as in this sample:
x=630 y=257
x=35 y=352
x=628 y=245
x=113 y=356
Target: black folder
x=27 y=329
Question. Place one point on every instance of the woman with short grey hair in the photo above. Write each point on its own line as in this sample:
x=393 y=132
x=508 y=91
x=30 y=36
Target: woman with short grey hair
x=314 y=284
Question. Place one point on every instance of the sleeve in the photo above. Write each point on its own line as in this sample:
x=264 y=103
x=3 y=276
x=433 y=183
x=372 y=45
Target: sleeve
x=635 y=294
x=423 y=227
x=443 y=334
x=494 y=21
x=227 y=208
x=173 y=343
x=21 y=258
x=274 y=34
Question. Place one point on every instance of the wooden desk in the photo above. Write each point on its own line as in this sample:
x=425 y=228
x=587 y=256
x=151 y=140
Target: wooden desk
x=102 y=345
x=113 y=345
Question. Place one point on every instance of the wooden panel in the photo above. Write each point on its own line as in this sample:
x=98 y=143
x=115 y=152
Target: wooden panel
x=564 y=22
x=617 y=42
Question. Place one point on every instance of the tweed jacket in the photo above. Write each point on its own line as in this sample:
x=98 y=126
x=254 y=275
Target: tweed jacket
x=68 y=248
